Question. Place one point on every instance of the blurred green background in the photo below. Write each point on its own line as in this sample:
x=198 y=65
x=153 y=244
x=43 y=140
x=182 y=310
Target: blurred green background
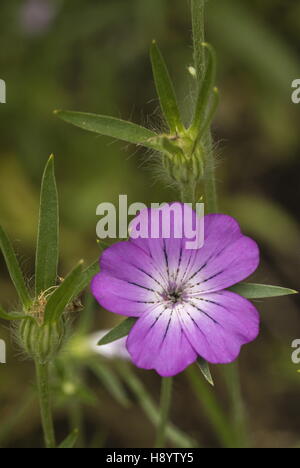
x=92 y=55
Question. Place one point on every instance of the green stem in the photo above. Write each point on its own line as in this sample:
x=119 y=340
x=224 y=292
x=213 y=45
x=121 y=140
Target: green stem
x=211 y=206
x=212 y=408
x=238 y=410
x=174 y=435
x=210 y=186
x=198 y=18
x=42 y=375
x=165 y=405
x=198 y=22
x=76 y=421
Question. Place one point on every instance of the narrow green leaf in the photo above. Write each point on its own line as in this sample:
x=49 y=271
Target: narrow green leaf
x=14 y=269
x=47 y=242
x=205 y=89
x=110 y=381
x=70 y=441
x=260 y=291
x=165 y=90
x=204 y=367
x=13 y=315
x=112 y=127
x=87 y=276
x=63 y=295
x=118 y=332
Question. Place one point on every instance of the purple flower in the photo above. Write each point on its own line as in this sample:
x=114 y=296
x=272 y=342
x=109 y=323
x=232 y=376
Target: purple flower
x=180 y=296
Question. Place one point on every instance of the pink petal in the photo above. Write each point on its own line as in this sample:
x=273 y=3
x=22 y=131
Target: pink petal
x=157 y=342
x=218 y=324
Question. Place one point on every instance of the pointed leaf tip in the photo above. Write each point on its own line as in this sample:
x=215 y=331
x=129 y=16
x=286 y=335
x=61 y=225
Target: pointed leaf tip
x=120 y=331
x=261 y=291
x=112 y=127
x=204 y=367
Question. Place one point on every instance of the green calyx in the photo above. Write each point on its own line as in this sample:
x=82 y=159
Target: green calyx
x=41 y=342
x=183 y=170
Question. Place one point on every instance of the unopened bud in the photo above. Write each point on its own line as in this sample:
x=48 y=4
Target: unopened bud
x=41 y=342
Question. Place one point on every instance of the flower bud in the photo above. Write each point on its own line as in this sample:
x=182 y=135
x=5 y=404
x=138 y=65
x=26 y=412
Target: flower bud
x=41 y=341
x=184 y=171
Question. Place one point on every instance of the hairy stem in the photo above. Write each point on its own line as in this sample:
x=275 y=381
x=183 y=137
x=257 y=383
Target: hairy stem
x=42 y=376
x=210 y=186
x=198 y=18
x=211 y=206
x=198 y=23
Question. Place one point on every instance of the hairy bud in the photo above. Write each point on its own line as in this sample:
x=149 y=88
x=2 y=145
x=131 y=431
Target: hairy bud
x=41 y=342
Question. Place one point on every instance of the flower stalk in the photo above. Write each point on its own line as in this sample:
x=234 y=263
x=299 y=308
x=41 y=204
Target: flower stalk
x=42 y=377
x=165 y=406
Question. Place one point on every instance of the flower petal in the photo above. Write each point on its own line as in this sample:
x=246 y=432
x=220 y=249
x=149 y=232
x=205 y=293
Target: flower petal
x=157 y=341
x=128 y=262
x=121 y=297
x=226 y=258
x=218 y=324
x=175 y=226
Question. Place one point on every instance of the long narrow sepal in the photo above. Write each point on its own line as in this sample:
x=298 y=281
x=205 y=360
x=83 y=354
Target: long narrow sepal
x=204 y=127
x=206 y=87
x=11 y=316
x=165 y=90
x=14 y=269
x=47 y=241
x=87 y=276
x=63 y=295
x=111 y=127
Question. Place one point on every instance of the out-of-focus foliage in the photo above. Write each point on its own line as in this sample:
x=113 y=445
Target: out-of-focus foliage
x=92 y=55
